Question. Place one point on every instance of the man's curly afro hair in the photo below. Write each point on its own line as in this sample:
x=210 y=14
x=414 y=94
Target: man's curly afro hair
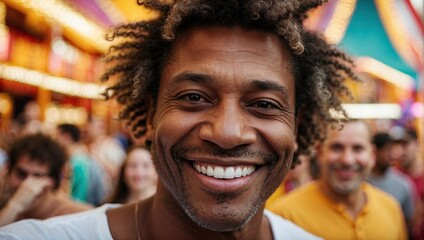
x=136 y=61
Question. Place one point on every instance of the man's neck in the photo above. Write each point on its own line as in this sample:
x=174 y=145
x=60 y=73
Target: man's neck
x=415 y=168
x=380 y=171
x=354 y=202
x=72 y=148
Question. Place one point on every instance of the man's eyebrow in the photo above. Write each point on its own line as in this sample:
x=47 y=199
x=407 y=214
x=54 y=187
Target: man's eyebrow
x=266 y=85
x=191 y=77
x=19 y=169
x=335 y=144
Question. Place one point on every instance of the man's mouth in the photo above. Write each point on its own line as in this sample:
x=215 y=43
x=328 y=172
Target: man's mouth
x=224 y=172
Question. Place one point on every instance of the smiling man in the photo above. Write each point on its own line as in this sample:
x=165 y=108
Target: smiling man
x=341 y=205
x=220 y=158
x=224 y=92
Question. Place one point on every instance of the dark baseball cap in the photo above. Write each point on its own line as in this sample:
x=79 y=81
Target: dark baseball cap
x=382 y=139
x=401 y=134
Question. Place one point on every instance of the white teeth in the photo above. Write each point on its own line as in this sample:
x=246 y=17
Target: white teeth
x=229 y=173
x=238 y=173
x=210 y=171
x=221 y=172
x=245 y=171
x=218 y=173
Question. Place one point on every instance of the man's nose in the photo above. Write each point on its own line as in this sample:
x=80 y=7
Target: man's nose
x=228 y=127
x=348 y=156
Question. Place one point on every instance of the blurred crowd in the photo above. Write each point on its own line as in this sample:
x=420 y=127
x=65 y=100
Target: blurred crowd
x=71 y=168
x=75 y=168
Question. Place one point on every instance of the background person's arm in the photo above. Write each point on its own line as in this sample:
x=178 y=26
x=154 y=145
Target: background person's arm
x=22 y=199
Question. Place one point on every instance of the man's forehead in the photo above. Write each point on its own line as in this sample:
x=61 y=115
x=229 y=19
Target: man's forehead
x=352 y=129
x=28 y=163
x=231 y=39
x=260 y=63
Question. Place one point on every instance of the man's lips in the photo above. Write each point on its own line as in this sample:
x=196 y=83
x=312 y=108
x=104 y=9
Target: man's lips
x=224 y=178
x=345 y=174
x=224 y=172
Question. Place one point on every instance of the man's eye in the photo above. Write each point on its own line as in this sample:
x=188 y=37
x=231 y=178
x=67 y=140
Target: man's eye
x=336 y=148
x=20 y=174
x=358 y=148
x=193 y=97
x=193 y=100
x=265 y=104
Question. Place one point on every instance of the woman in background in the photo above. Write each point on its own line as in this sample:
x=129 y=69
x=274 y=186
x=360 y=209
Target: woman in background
x=137 y=178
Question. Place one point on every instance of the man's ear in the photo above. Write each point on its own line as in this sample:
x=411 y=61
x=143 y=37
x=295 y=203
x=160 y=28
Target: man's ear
x=319 y=148
x=373 y=156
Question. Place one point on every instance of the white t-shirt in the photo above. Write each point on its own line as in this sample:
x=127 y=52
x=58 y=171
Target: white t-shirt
x=93 y=224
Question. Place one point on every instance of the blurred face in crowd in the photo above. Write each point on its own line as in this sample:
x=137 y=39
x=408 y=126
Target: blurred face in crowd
x=405 y=153
x=140 y=173
x=62 y=138
x=32 y=111
x=346 y=158
x=26 y=167
x=93 y=129
x=300 y=169
x=224 y=130
x=383 y=157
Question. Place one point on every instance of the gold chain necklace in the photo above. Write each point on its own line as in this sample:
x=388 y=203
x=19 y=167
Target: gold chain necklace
x=136 y=216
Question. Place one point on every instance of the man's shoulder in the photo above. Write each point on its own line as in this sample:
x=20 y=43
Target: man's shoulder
x=91 y=224
x=62 y=205
x=285 y=229
x=299 y=202
x=402 y=177
x=300 y=194
x=393 y=179
x=380 y=197
x=80 y=158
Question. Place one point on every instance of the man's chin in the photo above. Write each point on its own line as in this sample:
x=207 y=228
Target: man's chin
x=346 y=189
x=220 y=224
x=384 y=168
x=223 y=220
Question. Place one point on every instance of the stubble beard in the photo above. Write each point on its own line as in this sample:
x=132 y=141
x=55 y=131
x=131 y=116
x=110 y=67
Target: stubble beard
x=196 y=212
x=221 y=222
x=345 y=189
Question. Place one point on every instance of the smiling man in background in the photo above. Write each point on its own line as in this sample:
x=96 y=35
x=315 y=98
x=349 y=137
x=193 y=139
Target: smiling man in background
x=341 y=205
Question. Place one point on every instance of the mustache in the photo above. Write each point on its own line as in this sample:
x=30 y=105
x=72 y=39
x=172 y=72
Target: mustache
x=340 y=166
x=179 y=152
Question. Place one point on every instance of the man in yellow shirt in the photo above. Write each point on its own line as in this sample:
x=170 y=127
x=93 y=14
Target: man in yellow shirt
x=341 y=205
